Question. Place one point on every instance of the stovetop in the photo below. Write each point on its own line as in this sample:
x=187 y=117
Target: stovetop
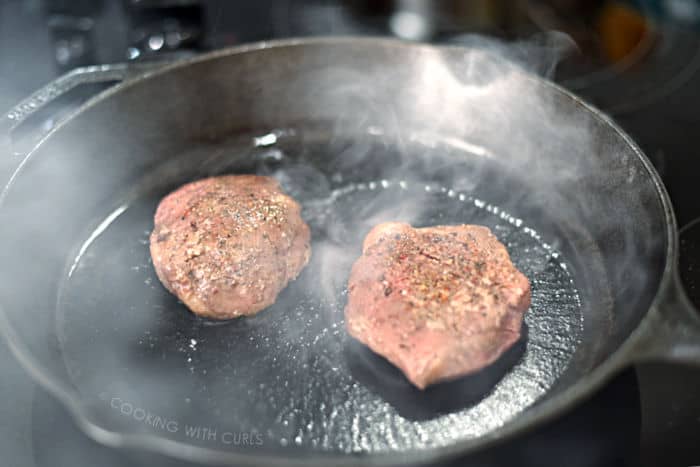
x=656 y=101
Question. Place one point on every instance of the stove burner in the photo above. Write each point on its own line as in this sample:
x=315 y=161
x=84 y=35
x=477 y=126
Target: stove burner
x=690 y=260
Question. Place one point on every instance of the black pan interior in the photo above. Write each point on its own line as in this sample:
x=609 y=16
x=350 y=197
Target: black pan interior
x=84 y=300
x=290 y=376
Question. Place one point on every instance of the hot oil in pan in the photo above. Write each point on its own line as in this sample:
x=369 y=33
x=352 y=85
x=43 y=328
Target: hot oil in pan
x=290 y=377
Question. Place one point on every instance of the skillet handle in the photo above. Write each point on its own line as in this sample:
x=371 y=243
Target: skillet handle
x=55 y=89
x=671 y=331
x=60 y=86
x=668 y=392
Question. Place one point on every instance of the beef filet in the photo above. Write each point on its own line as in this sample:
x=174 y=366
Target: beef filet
x=226 y=246
x=437 y=302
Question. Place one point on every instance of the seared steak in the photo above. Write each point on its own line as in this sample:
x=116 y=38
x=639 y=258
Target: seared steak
x=437 y=302
x=226 y=246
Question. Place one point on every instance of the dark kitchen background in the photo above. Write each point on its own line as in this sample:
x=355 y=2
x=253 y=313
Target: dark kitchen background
x=638 y=61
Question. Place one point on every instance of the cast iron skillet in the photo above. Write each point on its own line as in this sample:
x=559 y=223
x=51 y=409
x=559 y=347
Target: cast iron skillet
x=359 y=131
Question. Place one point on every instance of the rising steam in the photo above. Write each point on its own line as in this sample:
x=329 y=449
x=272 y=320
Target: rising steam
x=360 y=133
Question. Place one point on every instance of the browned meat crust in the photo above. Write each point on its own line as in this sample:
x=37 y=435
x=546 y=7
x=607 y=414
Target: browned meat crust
x=438 y=302
x=226 y=246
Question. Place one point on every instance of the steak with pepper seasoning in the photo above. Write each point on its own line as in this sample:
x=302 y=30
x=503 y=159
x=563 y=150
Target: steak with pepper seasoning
x=438 y=302
x=226 y=246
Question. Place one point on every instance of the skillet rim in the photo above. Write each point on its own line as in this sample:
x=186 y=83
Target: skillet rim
x=531 y=417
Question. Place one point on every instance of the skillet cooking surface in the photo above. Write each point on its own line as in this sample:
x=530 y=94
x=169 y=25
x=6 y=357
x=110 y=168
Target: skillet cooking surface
x=290 y=377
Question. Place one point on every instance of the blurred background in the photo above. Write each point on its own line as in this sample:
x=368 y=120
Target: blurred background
x=630 y=57
x=639 y=61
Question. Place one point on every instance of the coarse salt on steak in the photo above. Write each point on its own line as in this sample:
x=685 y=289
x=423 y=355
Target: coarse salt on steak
x=438 y=302
x=226 y=246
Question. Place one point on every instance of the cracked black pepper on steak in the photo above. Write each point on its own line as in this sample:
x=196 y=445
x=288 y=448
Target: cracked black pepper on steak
x=226 y=246
x=438 y=302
